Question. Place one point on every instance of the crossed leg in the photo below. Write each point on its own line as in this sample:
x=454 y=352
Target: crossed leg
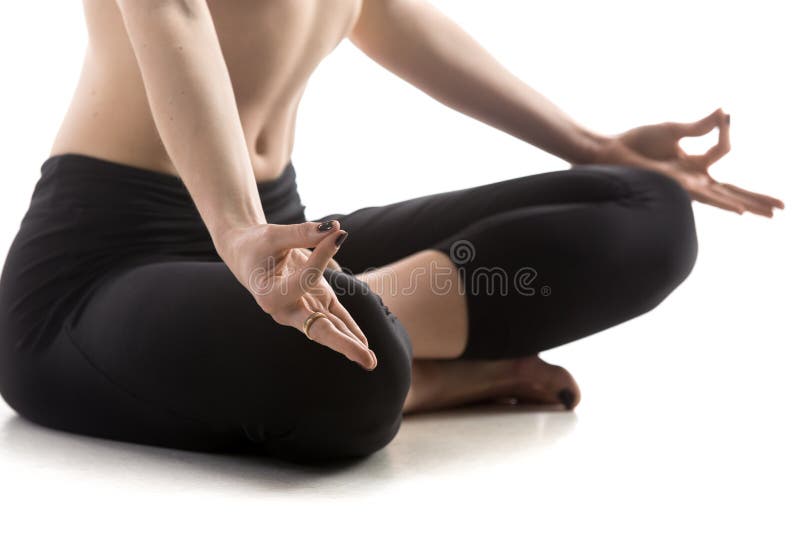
x=438 y=378
x=174 y=352
x=602 y=244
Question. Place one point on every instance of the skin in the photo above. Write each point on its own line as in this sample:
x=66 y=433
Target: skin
x=209 y=91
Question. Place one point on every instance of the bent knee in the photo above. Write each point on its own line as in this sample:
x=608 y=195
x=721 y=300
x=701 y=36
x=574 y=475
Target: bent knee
x=355 y=412
x=649 y=187
x=349 y=419
x=666 y=266
x=675 y=230
x=660 y=241
x=663 y=210
x=663 y=193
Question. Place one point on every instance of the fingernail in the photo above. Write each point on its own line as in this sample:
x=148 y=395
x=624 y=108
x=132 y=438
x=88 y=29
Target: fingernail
x=567 y=398
x=728 y=119
x=374 y=362
x=325 y=227
x=340 y=239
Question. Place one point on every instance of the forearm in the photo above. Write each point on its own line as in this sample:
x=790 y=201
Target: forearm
x=418 y=43
x=193 y=104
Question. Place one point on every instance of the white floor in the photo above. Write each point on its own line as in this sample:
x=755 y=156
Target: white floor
x=691 y=427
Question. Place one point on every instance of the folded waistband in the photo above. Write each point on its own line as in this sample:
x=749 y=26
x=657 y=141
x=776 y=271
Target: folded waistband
x=97 y=183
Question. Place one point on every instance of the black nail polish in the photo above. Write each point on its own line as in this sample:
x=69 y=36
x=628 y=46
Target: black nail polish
x=567 y=398
x=325 y=227
x=728 y=119
x=340 y=239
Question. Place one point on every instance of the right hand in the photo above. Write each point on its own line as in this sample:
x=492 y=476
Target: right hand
x=273 y=263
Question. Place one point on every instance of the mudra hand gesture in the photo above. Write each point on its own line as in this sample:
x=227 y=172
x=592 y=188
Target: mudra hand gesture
x=273 y=262
x=657 y=147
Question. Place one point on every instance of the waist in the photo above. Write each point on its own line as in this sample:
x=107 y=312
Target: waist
x=90 y=218
x=85 y=184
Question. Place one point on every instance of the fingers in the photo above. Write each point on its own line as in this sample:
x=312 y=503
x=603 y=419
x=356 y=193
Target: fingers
x=732 y=198
x=324 y=332
x=334 y=265
x=317 y=262
x=344 y=329
x=764 y=199
x=709 y=196
x=701 y=127
x=319 y=259
x=324 y=251
x=341 y=312
x=303 y=235
x=308 y=277
x=723 y=145
x=716 y=119
x=750 y=203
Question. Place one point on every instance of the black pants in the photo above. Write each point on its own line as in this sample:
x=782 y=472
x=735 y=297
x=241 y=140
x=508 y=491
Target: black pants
x=118 y=319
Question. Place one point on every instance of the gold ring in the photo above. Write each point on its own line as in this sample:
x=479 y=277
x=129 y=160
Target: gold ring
x=310 y=320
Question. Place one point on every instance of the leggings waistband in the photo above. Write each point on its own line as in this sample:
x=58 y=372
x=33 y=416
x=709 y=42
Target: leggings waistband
x=87 y=182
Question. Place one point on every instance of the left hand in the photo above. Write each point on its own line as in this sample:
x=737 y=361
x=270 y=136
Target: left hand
x=657 y=147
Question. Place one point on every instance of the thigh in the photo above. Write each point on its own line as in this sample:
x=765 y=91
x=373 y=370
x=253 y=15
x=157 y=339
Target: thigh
x=383 y=234
x=185 y=339
x=546 y=259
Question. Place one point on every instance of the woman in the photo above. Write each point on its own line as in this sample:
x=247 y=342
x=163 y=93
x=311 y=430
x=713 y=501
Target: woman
x=165 y=287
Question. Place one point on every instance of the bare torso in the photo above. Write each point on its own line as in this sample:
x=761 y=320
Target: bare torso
x=271 y=47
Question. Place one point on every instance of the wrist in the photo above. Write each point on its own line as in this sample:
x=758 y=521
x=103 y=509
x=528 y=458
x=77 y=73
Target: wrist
x=592 y=147
x=612 y=150
x=225 y=235
x=232 y=214
x=616 y=152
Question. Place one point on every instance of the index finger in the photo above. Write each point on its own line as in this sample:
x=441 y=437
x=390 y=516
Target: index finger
x=723 y=145
x=700 y=127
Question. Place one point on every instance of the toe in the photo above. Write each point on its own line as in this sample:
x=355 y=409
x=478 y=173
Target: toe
x=561 y=386
x=543 y=382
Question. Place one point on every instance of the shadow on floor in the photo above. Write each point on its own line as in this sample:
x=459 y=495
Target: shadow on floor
x=426 y=444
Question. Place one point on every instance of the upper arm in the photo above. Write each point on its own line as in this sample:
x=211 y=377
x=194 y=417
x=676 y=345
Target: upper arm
x=154 y=17
x=400 y=35
x=160 y=7
x=372 y=22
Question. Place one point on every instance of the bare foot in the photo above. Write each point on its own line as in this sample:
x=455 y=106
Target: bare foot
x=440 y=384
x=539 y=382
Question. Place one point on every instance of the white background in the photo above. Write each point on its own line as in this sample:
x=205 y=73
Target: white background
x=689 y=413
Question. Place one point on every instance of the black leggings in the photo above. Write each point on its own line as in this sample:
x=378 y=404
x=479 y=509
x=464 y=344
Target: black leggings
x=118 y=319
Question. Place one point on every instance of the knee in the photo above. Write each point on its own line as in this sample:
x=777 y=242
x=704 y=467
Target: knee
x=674 y=219
x=667 y=240
x=357 y=412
